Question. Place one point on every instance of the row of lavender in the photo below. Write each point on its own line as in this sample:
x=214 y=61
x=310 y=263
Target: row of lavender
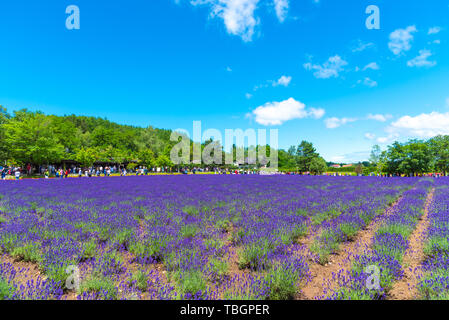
x=373 y=273
x=434 y=283
x=189 y=226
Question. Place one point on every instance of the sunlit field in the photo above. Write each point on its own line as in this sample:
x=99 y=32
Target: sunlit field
x=224 y=237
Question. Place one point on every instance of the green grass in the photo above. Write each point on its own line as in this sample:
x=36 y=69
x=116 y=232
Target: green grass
x=428 y=288
x=97 y=283
x=29 y=252
x=188 y=231
x=283 y=283
x=140 y=279
x=186 y=282
x=325 y=245
x=6 y=290
x=219 y=267
x=435 y=246
x=404 y=230
x=89 y=249
x=349 y=230
x=253 y=256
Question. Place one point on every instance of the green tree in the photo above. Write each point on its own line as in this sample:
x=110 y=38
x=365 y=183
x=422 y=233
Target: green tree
x=439 y=147
x=146 y=158
x=31 y=138
x=418 y=158
x=305 y=154
x=318 y=165
x=86 y=157
x=4 y=117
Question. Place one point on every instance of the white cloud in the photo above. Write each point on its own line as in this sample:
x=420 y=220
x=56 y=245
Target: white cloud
x=368 y=82
x=276 y=113
x=425 y=125
x=282 y=81
x=281 y=7
x=238 y=15
x=316 y=113
x=228 y=69
x=332 y=123
x=372 y=66
x=421 y=60
x=331 y=68
x=379 y=117
x=434 y=30
x=400 y=40
x=388 y=138
x=248 y=95
x=370 y=136
x=362 y=46
x=447 y=102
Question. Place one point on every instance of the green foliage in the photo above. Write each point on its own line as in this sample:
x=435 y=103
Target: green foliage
x=86 y=156
x=89 y=249
x=396 y=228
x=283 y=283
x=189 y=282
x=188 y=231
x=219 y=267
x=140 y=280
x=254 y=255
x=349 y=230
x=326 y=244
x=317 y=165
x=6 y=290
x=430 y=287
x=435 y=246
x=31 y=138
x=99 y=283
x=29 y=252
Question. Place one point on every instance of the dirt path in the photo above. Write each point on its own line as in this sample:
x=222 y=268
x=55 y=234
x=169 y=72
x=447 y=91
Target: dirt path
x=406 y=288
x=318 y=285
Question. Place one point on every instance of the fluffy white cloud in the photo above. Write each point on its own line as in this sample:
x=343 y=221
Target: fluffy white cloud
x=276 y=113
x=379 y=117
x=372 y=66
x=332 y=123
x=248 y=95
x=282 y=81
x=238 y=15
x=434 y=30
x=331 y=68
x=425 y=125
x=370 y=136
x=400 y=40
x=421 y=60
x=281 y=7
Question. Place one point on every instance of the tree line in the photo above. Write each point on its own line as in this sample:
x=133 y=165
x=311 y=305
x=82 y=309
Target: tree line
x=40 y=139
x=413 y=157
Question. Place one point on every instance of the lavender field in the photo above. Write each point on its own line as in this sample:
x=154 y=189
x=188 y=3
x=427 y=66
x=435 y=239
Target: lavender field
x=224 y=237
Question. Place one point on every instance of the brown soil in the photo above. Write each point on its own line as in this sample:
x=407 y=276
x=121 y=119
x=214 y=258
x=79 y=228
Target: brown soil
x=406 y=288
x=321 y=280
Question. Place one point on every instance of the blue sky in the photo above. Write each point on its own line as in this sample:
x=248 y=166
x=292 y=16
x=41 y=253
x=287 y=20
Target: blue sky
x=309 y=68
